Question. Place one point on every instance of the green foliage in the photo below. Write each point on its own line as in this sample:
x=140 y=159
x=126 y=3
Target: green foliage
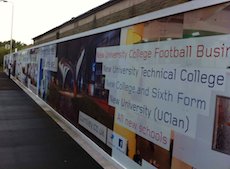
x=5 y=49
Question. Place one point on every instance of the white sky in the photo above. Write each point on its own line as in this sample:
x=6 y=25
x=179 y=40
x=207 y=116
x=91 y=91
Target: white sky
x=35 y=17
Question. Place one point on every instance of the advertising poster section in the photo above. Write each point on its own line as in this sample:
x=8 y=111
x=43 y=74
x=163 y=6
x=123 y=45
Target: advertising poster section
x=152 y=95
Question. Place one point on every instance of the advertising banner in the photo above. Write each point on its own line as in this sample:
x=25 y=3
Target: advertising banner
x=165 y=86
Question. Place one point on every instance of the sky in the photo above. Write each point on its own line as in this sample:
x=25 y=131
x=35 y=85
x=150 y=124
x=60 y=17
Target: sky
x=35 y=17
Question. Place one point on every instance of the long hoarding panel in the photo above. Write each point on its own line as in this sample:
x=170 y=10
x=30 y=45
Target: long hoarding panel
x=153 y=95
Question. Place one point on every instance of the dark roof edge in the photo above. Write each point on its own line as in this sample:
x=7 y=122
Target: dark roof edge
x=82 y=16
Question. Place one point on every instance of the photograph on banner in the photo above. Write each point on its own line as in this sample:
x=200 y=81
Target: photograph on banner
x=221 y=135
x=78 y=85
x=47 y=66
x=23 y=60
x=5 y=62
x=32 y=70
x=13 y=63
x=50 y=60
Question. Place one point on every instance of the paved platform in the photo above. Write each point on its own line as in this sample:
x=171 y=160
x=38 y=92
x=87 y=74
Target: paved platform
x=31 y=139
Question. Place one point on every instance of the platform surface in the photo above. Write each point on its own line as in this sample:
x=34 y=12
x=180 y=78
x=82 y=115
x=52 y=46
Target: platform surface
x=30 y=139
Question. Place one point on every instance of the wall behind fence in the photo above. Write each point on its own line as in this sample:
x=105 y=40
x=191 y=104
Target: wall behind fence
x=152 y=95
